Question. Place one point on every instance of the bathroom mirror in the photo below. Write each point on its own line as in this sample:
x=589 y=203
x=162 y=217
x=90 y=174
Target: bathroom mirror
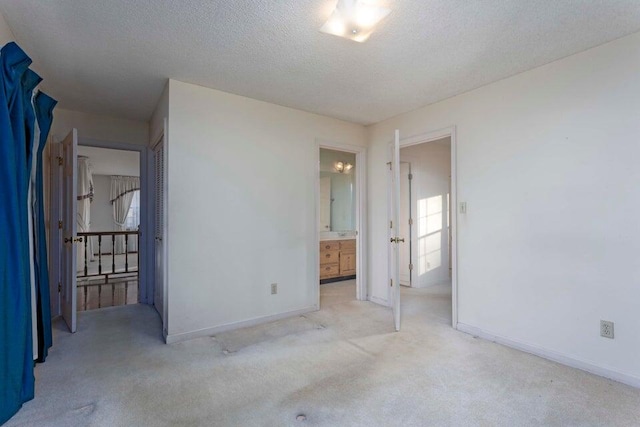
x=337 y=191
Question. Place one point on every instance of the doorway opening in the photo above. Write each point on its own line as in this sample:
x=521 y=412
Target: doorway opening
x=108 y=221
x=100 y=253
x=339 y=219
x=421 y=197
x=426 y=261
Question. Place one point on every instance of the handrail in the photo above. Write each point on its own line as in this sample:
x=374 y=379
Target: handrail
x=112 y=234
x=113 y=277
x=107 y=233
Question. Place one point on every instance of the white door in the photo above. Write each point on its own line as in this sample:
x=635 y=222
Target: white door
x=55 y=232
x=394 y=221
x=449 y=230
x=158 y=294
x=405 y=223
x=69 y=209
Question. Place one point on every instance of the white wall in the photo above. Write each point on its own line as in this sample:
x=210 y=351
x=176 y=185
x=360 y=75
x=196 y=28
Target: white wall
x=156 y=124
x=548 y=165
x=431 y=168
x=98 y=127
x=107 y=161
x=6 y=35
x=242 y=176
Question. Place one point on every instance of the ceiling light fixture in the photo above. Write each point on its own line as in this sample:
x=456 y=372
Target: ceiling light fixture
x=343 y=167
x=354 y=19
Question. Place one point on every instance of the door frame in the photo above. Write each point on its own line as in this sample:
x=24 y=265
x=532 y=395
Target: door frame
x=409 y=223
x=424 y=138
x=361 y=215
x=69 y=293
x=146 y=284
x=160 y=139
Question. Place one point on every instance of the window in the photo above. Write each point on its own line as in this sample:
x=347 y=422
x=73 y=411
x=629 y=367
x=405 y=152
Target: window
x=132 y=222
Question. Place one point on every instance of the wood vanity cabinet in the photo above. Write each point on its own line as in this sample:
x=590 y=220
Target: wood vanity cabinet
x=337 y=258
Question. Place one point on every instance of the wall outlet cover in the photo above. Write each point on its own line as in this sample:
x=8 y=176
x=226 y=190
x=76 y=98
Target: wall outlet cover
x=606 y=329
x=274 y=288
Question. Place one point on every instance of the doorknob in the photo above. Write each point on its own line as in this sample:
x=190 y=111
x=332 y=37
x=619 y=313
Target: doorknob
x=74 y=240
x=397 y=240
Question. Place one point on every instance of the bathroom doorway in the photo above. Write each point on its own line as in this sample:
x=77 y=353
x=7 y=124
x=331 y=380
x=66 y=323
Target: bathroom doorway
x=339 y=219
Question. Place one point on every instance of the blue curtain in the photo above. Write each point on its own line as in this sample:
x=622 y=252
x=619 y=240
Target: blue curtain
x=15 y=324
x=43 y=105
x=17 y=124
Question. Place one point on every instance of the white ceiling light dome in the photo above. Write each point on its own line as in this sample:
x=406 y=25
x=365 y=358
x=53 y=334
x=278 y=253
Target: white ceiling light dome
x=355 y=19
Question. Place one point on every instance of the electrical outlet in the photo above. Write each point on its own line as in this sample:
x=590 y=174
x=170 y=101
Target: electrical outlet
x=274 y=288
x=606 y=329
x=463 y=207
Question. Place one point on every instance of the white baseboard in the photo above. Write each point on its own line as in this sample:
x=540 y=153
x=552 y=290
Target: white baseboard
x=552 y=355
x=380 y=301
x=207 y=332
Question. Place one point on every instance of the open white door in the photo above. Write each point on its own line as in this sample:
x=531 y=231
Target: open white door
x=159 y=297
x=56 y=246
x=394 y=227
x=69 y=211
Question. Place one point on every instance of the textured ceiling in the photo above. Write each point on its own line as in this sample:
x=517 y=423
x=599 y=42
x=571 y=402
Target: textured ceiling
x=113 y=57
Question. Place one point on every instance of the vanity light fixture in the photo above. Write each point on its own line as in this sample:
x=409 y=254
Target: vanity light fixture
x=355 y=19
x=343 y=167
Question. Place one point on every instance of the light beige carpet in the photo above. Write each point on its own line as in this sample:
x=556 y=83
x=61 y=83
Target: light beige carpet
x=340 y=366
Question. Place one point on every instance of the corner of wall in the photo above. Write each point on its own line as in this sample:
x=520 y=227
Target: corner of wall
x=160 y=113
x=6 y=35
x=552 y=355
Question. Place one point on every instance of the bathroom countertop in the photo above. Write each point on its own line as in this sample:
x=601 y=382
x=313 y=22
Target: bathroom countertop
x=323 y=239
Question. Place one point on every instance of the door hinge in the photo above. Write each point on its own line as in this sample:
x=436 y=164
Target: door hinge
x=390 y=224
x=410 y=176
x=390 y=282
x=59 y=287
x=59 y=160
x=410 y=267
x=410 y=221
x=59 y=225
